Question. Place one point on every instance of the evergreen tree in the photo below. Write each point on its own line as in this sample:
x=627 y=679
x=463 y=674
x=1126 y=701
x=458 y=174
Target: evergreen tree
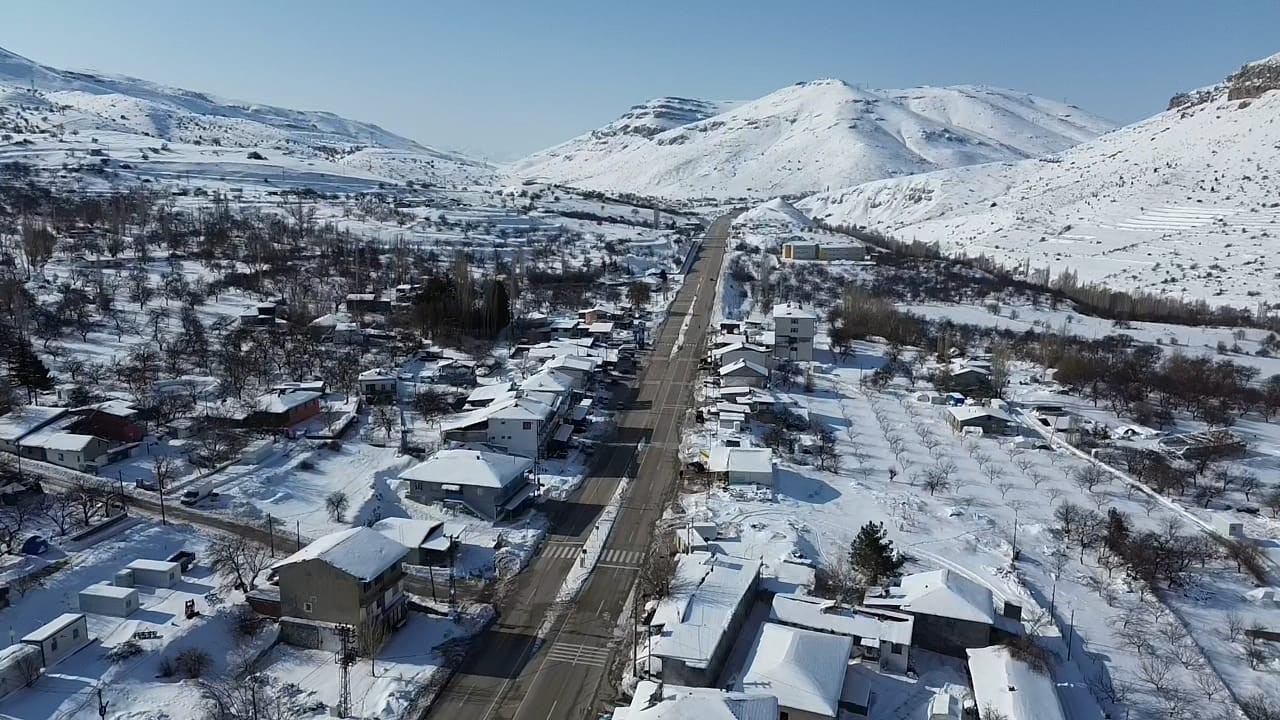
x=872 y=554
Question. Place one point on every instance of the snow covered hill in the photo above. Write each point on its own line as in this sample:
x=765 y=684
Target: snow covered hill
x=68 y=114
x=808 y=137
x=1184 y=203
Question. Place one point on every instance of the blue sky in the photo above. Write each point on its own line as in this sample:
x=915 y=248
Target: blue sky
x=506 y=77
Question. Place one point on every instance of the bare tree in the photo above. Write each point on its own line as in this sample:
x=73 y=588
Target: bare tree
x=88 y=497
x=1235 y=625
x=384 y=417
x=336 y=504
x=59 y=509
x=238 y=560
x=1089 y=477
x=164 y=468
x=993 y=472
x=1156 y=673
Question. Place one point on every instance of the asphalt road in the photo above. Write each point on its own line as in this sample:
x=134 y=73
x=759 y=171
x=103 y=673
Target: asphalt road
x=508 y=673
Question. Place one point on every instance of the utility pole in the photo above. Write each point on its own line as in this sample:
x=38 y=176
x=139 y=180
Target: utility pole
x=346 y=658
x=271 y=533
x=298 y=529
x=163 y=519
x=1071 y=633
x=102 y=704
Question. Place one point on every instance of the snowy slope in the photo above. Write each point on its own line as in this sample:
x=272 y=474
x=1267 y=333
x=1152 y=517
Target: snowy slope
x=67 y=109
x=1184 y=203
x=808 y=137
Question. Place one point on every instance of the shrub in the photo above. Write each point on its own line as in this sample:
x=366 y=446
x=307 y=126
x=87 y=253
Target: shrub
x=192 y=663
x=124 y=651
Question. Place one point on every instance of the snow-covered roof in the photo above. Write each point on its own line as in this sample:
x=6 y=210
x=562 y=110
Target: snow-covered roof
x=282 y=402
x=524 y=408
x=564 y=323
x=739 y=346
x=24 y=419
x=746 y=460
x=963 y=413
x=360 y=552
x=550 y=380
x=495 y=391
x=580 y=363
x=744 y=366
x=476 y=468
x=20 y=652
x=791 y=310
x=116 y=408
x=106 y=589
x=1012 y=687
x=64 y=441
x=153 y=565
x=942 y=593
x=377 y=374
x=706 y=589
x=804 y=669
x=602 y=327
x=407 y=531
x=825 y=616
x=653 y=701
x=52 y=628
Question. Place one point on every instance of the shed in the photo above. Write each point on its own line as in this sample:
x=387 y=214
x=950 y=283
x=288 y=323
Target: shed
x=107 y=599
x=1228 y=525
x=155 y=573
x=59 y=637
x=19 y=667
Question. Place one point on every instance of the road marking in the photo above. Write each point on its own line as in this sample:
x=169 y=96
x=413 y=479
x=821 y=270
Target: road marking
x=625 y=557
x=561 y=550
x=576 y=654
x=632 y=568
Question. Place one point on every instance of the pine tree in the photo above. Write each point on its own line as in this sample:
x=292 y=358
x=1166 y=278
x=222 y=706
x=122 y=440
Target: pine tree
x=872 y=554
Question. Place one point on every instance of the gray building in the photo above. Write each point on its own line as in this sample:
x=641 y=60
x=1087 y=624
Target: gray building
x=952 y=613
x=694 y=628
x=489 y=484
x=108 y=599
x=352 y=577
x=59 y=637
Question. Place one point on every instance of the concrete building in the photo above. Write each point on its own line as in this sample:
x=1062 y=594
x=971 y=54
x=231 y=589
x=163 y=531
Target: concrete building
x=352 y=577
x=693 y=628
x=113 y=420
x=59 y=637
x=108 y=599
x=793 y=331
x=825 y=251
x=657 y=701
x=284 y=407
x=155 y=573
x=952 y=613
x=743 y=373
x=521 y=427
x=880 y=636
x=70 y=450
x=427 y=542
x=377 y=385
x=973 y=418
x=489 y=484
x=742 y=466
x=731 y=353
x=1011 y=687
x=804 y=670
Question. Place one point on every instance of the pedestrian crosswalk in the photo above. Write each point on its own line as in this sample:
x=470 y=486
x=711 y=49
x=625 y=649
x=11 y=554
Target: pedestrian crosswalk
x=611 y=556
x=576 y=654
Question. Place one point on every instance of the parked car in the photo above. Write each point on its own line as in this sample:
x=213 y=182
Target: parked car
x=196 y=494
x=185 y=558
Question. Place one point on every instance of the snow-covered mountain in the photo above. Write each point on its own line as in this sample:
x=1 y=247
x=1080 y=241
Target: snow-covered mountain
x=1185 y=203
x=52 y=115
x=808 y=137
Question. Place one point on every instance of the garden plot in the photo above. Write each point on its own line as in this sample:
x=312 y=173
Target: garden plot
x=955 y=503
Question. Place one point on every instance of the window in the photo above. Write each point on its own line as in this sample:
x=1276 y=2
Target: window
x=59 y=456
x=528 y=425
x=75 y=633
x=55 y=644
x=896 y=649
x=307 y=607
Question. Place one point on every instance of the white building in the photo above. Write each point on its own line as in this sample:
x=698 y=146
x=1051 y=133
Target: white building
x=793 y=331
x=742 y=466
x=108 y=599
x=656 y=701
x=805 y=670
x=377 y=385
x=59 y=638
x=24 y=420
x=729 y=354
x=694 y=627
x=1012 y=687
x=155 y=573
x=882 y=637
x=70 y=450
x=743 y=373
x=521 y=426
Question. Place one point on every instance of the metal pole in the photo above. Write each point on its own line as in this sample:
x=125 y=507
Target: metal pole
x=298 y=528
x=1071 y=633
x=271 y=534
x=163 y=519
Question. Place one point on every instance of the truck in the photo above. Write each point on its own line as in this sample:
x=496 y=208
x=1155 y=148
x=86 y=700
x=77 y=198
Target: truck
x=197 y=493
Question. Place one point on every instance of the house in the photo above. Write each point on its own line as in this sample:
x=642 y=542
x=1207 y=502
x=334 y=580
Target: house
x=24 y=420
x=968 y=377
x=742 y=466
x=108 y=599
x=804 y=670
x=352 y=577
x=944 y=706
x=694 y=627
x=729 y=354
x=551 y=380
x=1011 y=687
x=59 y=637
x=361 y=303
x=793 y=331
x=520 y=427
x=285 y=407
x=113 y=420
x=490 y=484
x=485 y=395
x=879 y=636
x=70 y=450
x=828 y=250
x=19 y=667
x=427 y=542
x=347 y=333
x=1206 y=444
x=657 y=701
x=743 y=373
x=154 y=573
x=952 y=613
x=987 y=420
x=563 y=328
x=455 y=372
x=579 y=367
x=377 y=385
